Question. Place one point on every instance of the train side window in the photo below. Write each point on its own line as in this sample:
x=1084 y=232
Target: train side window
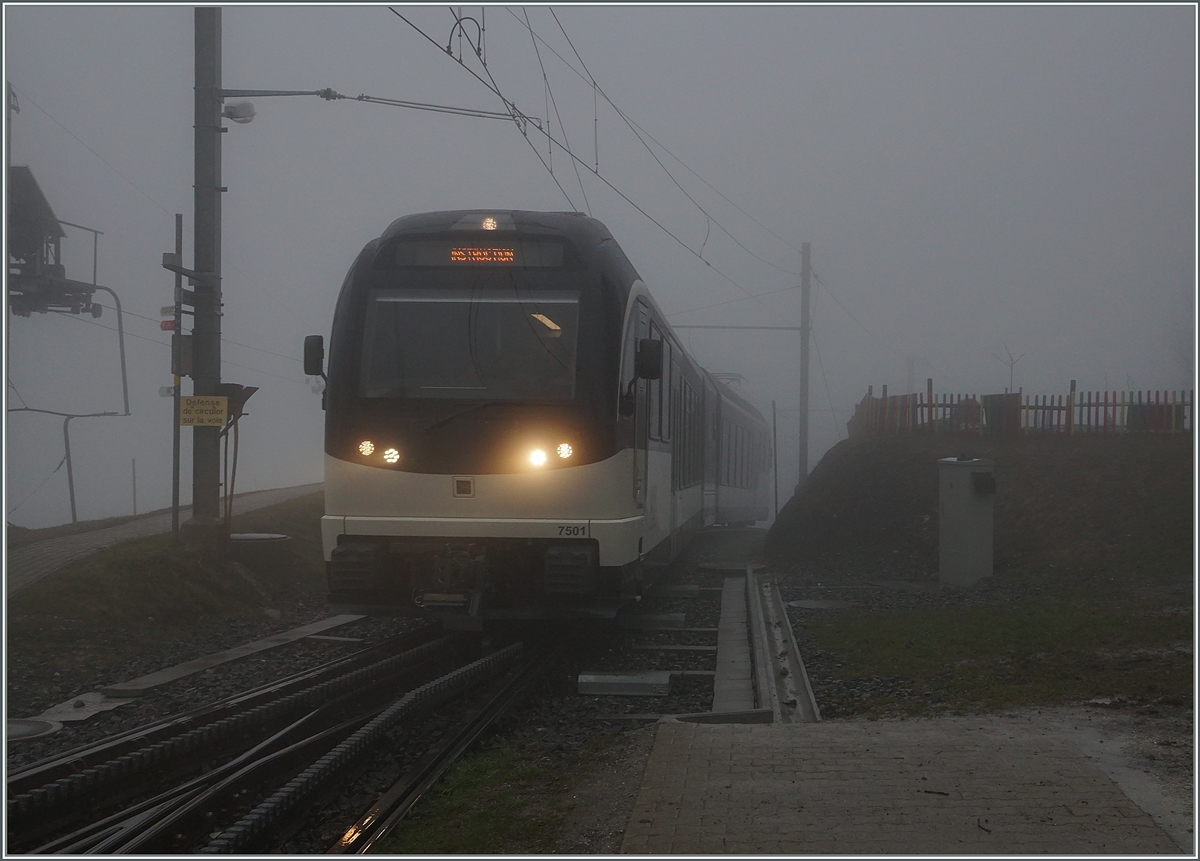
x=731 y=458
x=755 y=448
x=745 y=458
x=737 y=456
x=685 y=432
x=727 y=453
x=680 y=452
x=656 y=391
x=668 y=382
x=693 y=441
x=736 y=467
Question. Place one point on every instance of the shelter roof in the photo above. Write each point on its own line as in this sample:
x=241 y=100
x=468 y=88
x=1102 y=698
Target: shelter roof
x=29 y=212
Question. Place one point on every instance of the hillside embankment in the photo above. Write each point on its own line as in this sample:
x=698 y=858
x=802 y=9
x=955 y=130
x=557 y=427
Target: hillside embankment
x=1063 y=503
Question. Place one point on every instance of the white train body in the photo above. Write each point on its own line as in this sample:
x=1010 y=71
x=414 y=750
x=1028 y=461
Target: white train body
x=503 y=437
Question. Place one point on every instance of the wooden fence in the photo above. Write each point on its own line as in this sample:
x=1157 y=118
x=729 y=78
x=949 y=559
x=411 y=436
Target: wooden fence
x=1014 y=414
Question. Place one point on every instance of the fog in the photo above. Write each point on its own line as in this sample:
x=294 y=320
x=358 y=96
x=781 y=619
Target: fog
x=975 y=183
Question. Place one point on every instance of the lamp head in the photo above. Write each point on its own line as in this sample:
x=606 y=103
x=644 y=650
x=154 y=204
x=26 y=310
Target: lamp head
x=239 y=112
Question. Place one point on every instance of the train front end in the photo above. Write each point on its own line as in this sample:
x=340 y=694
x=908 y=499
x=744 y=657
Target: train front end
x=472 y=465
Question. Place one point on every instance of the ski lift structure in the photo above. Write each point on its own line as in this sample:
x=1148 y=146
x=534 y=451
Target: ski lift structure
x=38 y=283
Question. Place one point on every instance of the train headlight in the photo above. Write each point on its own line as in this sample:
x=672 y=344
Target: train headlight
x=366 y=447
x=565 y=450
x=391 y=455
x=537 y=457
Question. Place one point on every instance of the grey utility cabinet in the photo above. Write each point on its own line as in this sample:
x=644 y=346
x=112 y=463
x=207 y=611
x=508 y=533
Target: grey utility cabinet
x=966 y=488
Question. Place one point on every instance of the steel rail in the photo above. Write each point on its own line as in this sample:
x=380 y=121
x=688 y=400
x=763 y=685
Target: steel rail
x=38 y=810
x=788 y=689
x=174 y=820
x=382 y=817
x=127 y=821
x=765 y=689
x=258 y=770
x=252 y=830
x=47 y=771
x=172 y=830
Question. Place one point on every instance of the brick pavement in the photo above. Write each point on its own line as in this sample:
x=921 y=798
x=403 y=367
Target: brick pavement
x=959 y=785
x=28 y=564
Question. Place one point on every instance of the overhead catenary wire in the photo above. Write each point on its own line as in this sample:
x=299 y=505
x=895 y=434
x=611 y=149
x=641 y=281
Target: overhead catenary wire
x=523 y=125
x=168 y=346
x=550 y=93
x=637 y=127
x=639 y=132
x=879 y=340
x=39 y=487
x=812 y=334
x=521 y=119
x=738 y=299
x=13 y=386
x=223 y=340
x=653 y=155
x=516 y=115
x=140 y=190
x=820 y=364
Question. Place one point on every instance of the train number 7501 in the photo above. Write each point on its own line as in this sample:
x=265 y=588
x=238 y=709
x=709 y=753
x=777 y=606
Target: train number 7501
x=576 y=531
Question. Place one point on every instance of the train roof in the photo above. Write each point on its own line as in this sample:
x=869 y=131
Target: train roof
x=727 y=392
x=580 y=228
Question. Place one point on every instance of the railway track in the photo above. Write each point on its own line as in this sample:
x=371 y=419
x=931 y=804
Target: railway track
x=724 y=625
x=230 y=777
x=256 y=772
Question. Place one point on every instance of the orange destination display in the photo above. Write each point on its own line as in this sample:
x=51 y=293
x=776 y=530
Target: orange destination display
x=483 y=255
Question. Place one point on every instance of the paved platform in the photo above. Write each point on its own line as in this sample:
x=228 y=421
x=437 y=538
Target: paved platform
x=959 y=786
x=28 y=564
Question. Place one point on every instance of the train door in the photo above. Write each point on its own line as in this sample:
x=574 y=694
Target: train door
x=641 y=419
x=712 y=450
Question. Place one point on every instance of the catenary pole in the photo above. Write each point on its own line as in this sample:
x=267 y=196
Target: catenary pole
x=775 y=455
x=205 y=521
x=805 y=325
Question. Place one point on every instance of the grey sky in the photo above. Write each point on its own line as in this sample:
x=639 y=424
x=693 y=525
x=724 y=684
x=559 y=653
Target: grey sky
x=969 y=178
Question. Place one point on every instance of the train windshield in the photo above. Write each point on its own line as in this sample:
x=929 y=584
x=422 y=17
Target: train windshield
x=470 y=343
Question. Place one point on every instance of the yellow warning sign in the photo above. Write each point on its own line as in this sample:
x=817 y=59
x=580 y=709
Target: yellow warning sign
x=203 y=411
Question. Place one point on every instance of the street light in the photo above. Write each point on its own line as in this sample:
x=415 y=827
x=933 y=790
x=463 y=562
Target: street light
x=205 y=523
x=239 y=112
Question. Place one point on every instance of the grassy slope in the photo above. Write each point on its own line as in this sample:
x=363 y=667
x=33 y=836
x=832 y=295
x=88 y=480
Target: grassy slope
x=1073 y=502
x=1098 y=529
x=100 y=612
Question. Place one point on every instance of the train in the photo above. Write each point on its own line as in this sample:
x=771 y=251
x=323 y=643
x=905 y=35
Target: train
x=512 y=428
